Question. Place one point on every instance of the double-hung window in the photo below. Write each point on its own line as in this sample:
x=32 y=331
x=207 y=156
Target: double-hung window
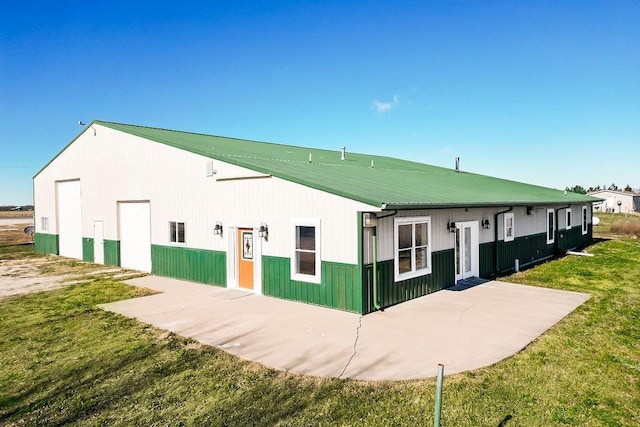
x=412 y=255
x=551 y=226
x=44 y=223
x=567 y=216
x=508 y=227
x=176 y=232
x=585 y=225
x=305 y=257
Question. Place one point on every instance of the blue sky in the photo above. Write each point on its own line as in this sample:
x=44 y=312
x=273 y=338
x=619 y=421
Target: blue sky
x=540 y=92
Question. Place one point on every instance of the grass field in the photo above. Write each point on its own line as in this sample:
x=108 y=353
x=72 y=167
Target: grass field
x=66 y=362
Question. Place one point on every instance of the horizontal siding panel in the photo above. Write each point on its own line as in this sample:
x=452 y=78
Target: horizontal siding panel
x=391 y=292
x=46 y=243
x=87 y=249
x=112 y=252
x=340 y=287
x=487 y=253
x=196 y=265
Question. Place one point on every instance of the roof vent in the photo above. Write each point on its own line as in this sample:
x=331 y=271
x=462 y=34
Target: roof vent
x=457 y=164
x=342 y=150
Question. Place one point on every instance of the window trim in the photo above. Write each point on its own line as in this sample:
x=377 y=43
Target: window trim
x=513 y=227
x=184 y=234
x=553 y=231
x=585 y=224
x=567 y=219
x=313 y=222
x=397 y=221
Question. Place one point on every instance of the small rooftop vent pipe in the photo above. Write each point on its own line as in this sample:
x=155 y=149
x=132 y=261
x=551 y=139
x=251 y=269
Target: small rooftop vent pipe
x=342 y=150
x=457 y=164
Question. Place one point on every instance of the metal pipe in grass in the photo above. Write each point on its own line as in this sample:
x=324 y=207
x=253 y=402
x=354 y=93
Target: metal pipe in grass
x=438 y=408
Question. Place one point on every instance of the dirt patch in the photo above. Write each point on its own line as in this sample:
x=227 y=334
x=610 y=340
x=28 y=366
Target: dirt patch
x=13 y=234
x=17 y=214
x=23 y=276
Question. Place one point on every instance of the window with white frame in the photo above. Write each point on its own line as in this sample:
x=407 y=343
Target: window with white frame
x=412 y=253
x=176 y=232
x=305 y=244
x=509 y=231
x=585 y=226
x=551 y=226
x=44 y=223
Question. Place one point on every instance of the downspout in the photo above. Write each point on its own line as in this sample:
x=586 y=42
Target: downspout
x=495 y=239
x=556 y=232
x=376 y=304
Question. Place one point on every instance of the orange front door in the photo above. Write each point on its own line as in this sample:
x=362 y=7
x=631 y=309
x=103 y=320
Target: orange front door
x=245 y=258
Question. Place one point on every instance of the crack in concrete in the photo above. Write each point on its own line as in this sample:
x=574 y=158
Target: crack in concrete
x=463 y=312
x=355 y=345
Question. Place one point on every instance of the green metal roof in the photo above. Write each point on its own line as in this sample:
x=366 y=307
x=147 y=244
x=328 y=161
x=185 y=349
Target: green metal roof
x=389 y=184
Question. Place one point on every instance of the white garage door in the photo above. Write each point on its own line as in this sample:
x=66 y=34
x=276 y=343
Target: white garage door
x=135 y=235
x=69 y=208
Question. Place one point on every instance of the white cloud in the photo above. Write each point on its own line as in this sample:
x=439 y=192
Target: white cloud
x=384 y=107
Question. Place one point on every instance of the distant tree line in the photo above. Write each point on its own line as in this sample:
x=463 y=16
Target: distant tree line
x=581 y=190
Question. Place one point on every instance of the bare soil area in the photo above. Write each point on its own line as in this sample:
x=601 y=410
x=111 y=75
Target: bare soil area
x=12 y=231
x=17 y=214
x=34 y=274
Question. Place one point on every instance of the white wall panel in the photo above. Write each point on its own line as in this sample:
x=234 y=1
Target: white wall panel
x=118 y=167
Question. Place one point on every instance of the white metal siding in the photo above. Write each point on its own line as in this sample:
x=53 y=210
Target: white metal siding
x=135 y=236
x=115 y=166
x=69 y=210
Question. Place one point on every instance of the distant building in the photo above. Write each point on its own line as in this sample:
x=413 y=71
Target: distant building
x=616 y=201
x=349 y=231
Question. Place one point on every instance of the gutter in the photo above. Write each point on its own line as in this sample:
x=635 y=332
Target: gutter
x=497 y=203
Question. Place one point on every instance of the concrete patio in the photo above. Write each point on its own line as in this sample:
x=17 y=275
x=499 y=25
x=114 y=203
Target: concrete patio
x=463 y=328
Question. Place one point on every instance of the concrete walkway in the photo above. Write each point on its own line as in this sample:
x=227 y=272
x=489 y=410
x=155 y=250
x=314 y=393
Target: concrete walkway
x=463 y=329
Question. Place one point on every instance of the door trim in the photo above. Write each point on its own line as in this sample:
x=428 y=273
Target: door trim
x=475 y=250
x=231 y=236
x=98 y=242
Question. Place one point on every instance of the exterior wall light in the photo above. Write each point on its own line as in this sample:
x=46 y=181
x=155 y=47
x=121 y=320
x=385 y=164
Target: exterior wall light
x=451 y=226
x=217 y=230
x=263 y=231
x=369 y=220
x=485 y=224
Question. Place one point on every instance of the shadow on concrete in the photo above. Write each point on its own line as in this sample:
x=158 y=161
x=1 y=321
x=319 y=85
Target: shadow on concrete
x=467 y=283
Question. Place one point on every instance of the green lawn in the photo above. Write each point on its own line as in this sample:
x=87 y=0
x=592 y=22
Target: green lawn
x=65 y=361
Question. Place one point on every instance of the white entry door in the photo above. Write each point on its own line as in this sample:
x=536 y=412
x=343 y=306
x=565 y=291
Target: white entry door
x=69 y=207
x=98 y=242
x=135 y=235
x=467 y=250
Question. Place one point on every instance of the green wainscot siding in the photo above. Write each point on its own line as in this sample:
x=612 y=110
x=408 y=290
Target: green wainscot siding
x=487 y=253
x=196 y=265
x=341 y=287
x=87 y=249
x=46 y=243
x=526 y=249
x=573 y=239
x=112 y=252
x=390 y=292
